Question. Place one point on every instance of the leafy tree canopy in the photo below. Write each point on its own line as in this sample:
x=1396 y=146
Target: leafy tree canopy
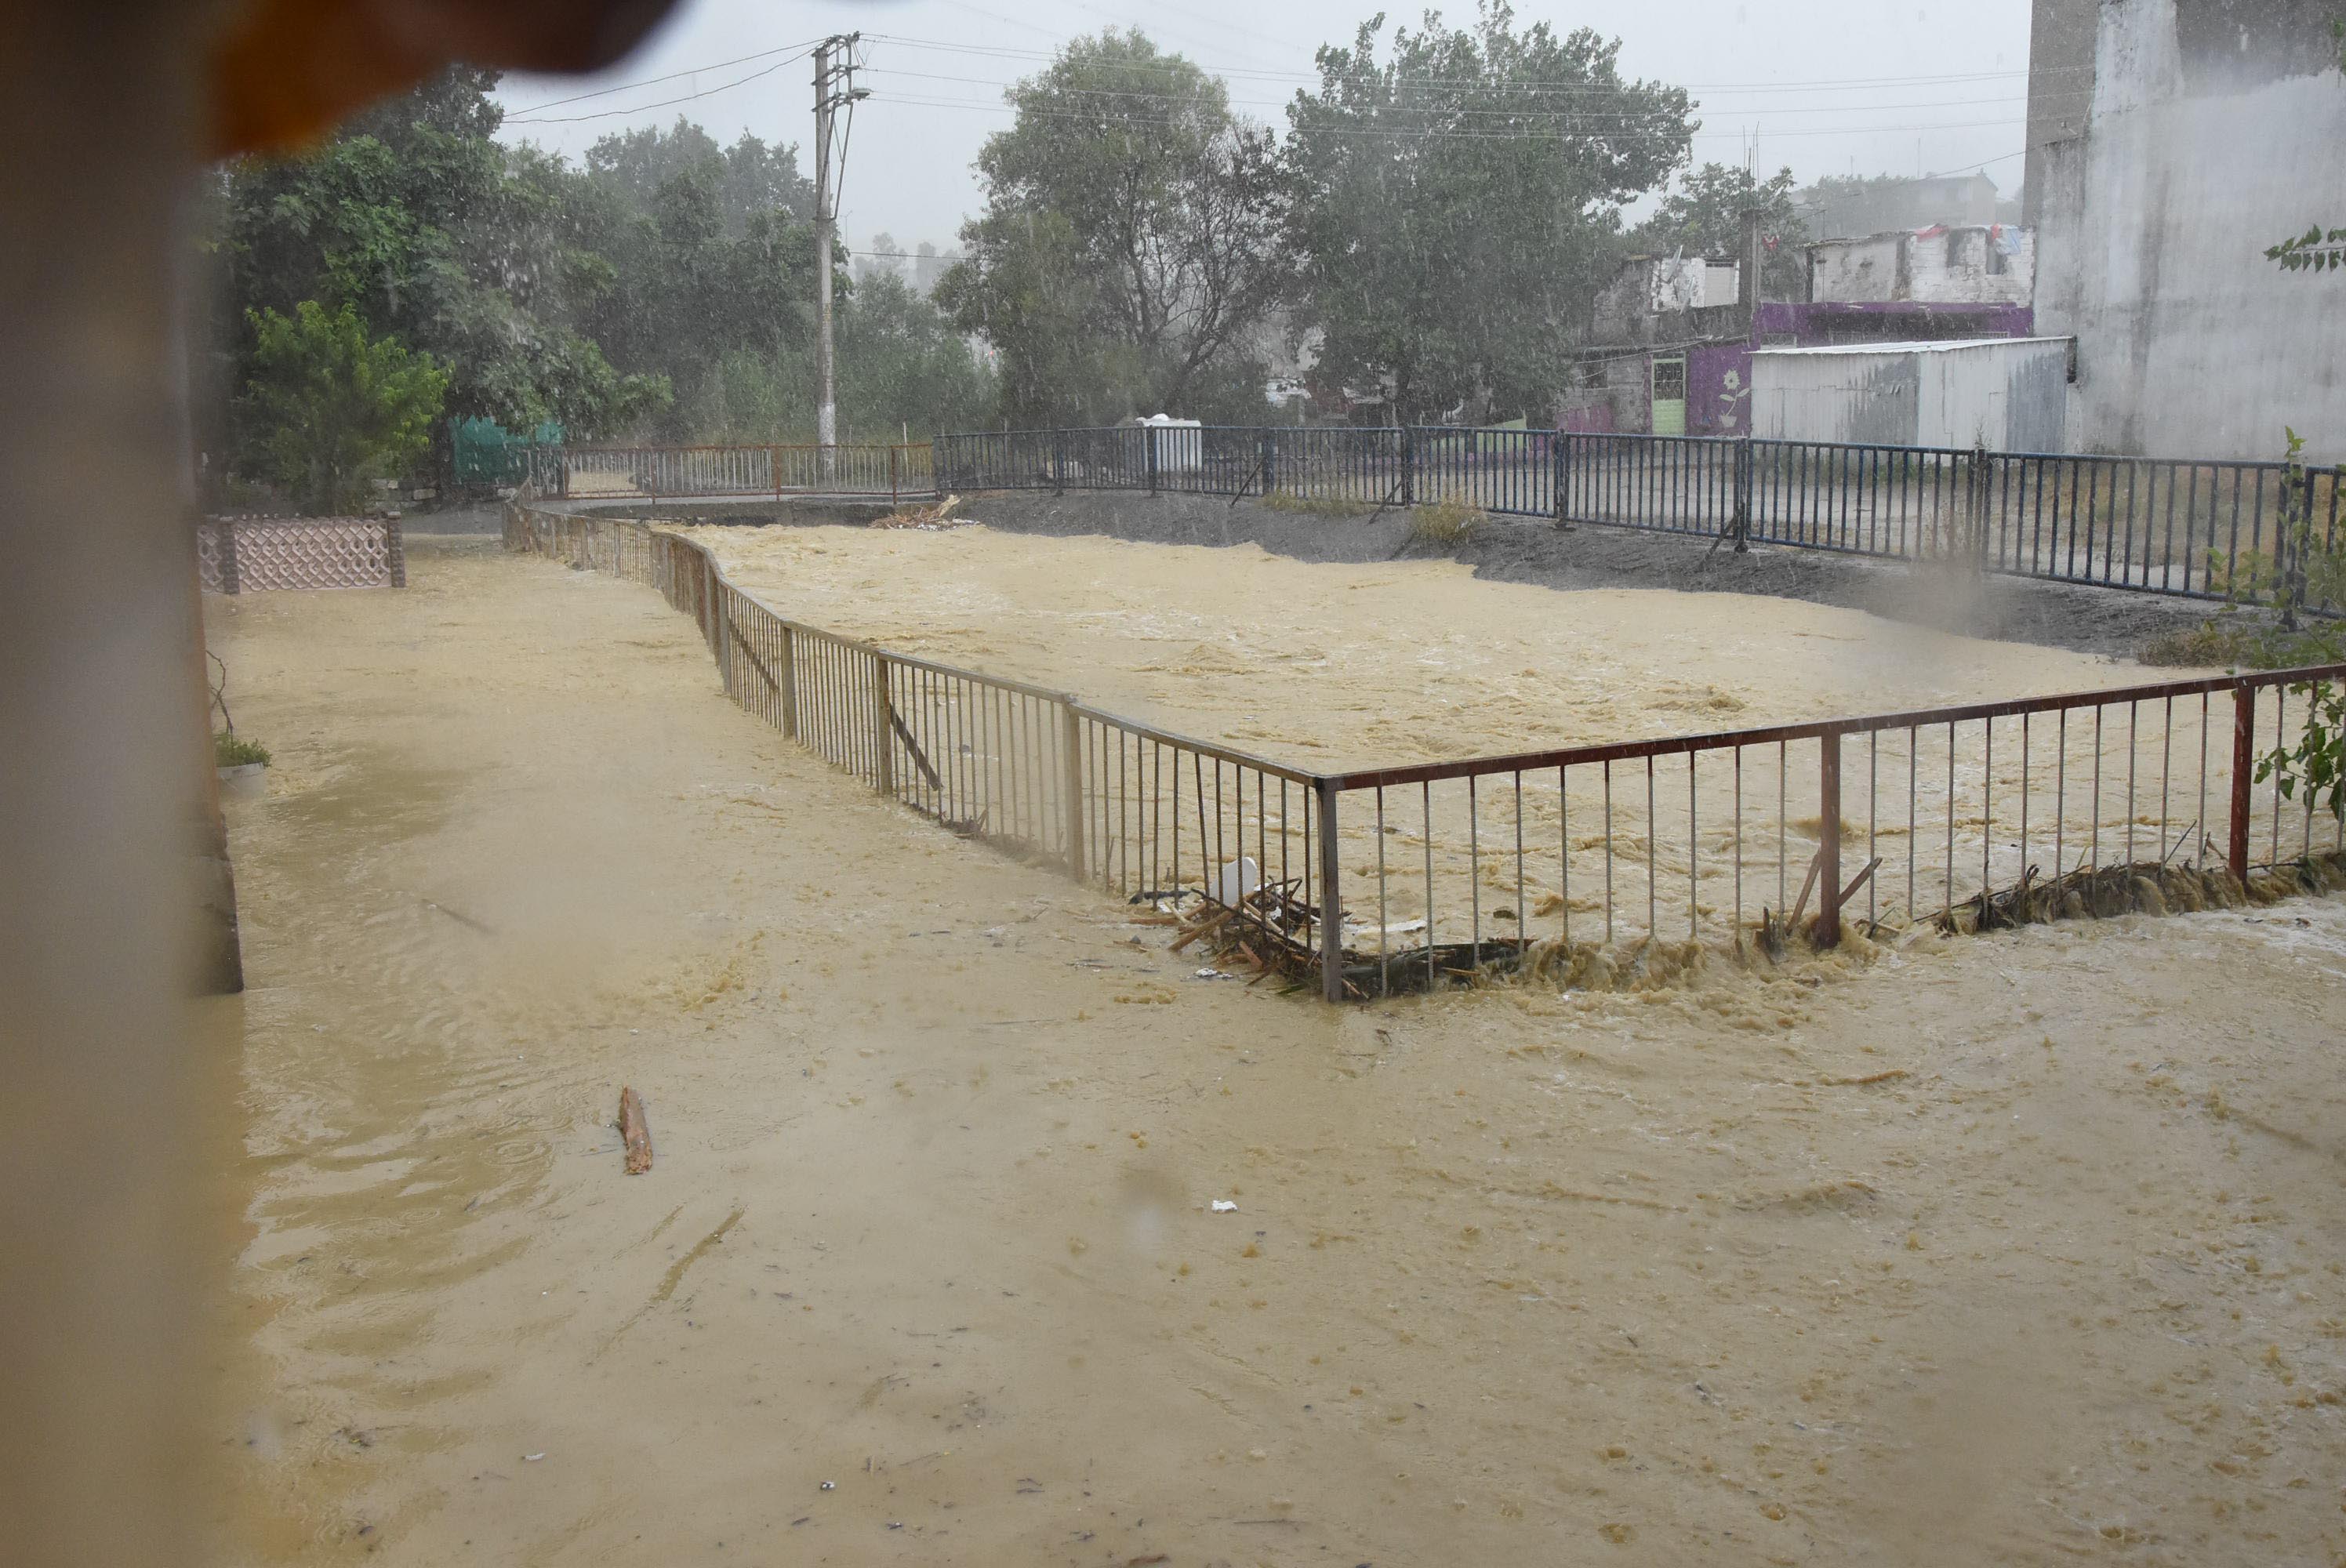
x=1127 y=258
x=1704 y=216
x=333 y=410
x=1456 y=193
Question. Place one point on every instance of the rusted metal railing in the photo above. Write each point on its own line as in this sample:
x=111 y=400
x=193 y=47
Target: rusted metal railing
x=1604 y=865
x=901 y=471
x=1965 y=817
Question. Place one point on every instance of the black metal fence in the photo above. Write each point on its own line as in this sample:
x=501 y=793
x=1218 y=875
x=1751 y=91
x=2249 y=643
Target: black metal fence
x=2206 y=529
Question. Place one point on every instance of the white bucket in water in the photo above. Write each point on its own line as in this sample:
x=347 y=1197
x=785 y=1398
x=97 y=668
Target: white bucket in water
x=245 y=781
x=1237 y=880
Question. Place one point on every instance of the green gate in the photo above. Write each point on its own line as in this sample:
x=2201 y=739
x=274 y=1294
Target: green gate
x=483 y=452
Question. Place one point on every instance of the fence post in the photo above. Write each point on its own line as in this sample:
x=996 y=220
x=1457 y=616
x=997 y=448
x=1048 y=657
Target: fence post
x=1058 y=463
x=231 y=574
x=884 y=764
x=2292 y=541
x=394 y=552
x=1332 y=909
x=2244 y=767
x=724 y=621
x=1828 y=845
x=1071 y=747
x=1559 y=474
x=894 y=499
x=1149 y=435
x=1269 y=460
x=1980 y=491
x=1743 y=495
x=1408 y=466
x=790 y=679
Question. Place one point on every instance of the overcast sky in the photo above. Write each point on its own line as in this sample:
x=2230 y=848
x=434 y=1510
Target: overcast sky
x=1829 y=86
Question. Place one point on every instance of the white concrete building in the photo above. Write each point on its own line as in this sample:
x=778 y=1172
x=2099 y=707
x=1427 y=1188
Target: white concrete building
x=1983 y=264
x=2171 y=142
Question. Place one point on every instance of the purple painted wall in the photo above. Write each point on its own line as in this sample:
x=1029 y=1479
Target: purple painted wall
x=1719 y=390
x=1814 y=326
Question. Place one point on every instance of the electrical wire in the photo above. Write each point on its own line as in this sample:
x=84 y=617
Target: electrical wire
x=663 y=103
x=806 y=44
x=1425 y=134
x=1827 y=84
x=1200 y=96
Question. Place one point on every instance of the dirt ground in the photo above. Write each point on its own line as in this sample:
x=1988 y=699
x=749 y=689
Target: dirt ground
x=2021 y=1249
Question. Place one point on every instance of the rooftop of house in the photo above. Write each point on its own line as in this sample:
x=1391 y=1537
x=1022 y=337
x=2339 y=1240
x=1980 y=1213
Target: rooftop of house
x=1912 y=346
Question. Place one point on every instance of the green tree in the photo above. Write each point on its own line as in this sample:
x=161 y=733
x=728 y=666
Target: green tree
x=748 y=177
x=332 y=409
x=713 y=280
x=417 y=219
x=1455 y=203
x=1704 y=216
x=901 y=366
x=1126 y=259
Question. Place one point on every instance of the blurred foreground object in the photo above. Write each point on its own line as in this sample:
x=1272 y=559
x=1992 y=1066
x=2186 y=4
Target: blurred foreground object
x=109 y=837
x=284 y=71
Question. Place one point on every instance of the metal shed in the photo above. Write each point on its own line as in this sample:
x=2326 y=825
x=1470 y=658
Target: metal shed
x=2009 y=394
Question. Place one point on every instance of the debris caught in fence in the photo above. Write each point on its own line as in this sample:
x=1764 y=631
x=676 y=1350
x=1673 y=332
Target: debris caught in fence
x=937 y=515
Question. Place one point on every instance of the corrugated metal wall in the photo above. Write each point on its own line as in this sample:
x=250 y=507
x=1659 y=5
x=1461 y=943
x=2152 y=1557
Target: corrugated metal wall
x=1805 y=395
x=2007 y=395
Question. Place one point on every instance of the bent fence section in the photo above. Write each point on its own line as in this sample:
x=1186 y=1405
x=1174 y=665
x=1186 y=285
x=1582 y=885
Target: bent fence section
x=1590 y=864
x=2202 y=529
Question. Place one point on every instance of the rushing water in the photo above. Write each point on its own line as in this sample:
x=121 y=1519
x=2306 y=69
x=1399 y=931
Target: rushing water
x=2002 y=1249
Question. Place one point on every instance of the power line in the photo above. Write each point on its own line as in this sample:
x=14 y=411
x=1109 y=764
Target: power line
x=672 y=77
x=1197 y=97
x=1833 y=83
x=1429 y=135
x=663 y=103
x=533 y=113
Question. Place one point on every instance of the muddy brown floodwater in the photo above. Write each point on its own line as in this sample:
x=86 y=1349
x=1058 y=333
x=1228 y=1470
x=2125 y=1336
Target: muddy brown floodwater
x=2019 y=1248
x=1333 y=666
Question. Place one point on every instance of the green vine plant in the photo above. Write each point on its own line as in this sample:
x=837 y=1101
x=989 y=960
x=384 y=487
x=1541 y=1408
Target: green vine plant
x=2308 y=570
x=2307 y=566
x=2318 y=249
x=2317 y=763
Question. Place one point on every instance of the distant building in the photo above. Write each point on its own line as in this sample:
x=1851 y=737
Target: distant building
x=1669 y=344
x=2171 y=141
x=1656 y=312
x=1982 y=264
x=1881 y=203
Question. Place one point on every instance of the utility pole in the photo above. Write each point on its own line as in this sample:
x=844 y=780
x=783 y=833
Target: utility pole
x=834 y=89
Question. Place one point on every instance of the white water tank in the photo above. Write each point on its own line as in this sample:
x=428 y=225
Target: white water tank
x=1180 y=444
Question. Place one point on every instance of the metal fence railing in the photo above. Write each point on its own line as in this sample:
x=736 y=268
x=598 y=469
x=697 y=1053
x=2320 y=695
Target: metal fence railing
x=899 y=472
x=2201 y=529
x=1619 y=863
x=1584 y=861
